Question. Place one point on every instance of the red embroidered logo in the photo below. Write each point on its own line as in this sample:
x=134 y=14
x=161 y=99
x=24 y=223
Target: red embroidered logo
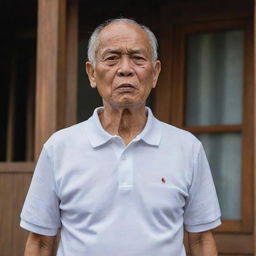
x=163 y=180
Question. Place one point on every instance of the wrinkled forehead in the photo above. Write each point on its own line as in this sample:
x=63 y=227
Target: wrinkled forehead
x=121 y=34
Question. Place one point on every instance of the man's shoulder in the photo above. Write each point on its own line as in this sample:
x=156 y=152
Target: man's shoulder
x=69 y=135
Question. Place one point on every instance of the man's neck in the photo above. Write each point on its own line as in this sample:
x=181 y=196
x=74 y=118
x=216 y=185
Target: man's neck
x=122 y=121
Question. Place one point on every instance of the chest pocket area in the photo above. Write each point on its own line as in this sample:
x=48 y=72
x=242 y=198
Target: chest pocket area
x=163 y=204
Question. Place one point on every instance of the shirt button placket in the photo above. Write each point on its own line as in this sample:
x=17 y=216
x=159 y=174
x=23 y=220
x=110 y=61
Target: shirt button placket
x=123 y=157
x=125 y=171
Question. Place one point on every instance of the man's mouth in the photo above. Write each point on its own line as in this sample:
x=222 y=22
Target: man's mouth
x=126 y=87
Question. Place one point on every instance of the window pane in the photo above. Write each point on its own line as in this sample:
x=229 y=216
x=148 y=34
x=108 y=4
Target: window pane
x=215 y=78
x=223 y=152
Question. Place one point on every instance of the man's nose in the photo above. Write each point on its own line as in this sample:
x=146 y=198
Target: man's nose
x=125 y=67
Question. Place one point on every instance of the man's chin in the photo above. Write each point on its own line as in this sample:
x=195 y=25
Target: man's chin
x=127 y=104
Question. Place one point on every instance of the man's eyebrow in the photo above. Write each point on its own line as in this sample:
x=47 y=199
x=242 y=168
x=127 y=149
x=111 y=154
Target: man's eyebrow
x=113 y=51
x=119 y=51
x=134 y=51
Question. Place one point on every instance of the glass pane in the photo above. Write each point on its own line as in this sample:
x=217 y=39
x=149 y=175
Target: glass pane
x=223 y=152
x=215 y=78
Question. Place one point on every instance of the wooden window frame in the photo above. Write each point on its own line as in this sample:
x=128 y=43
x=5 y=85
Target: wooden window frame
x=56 y=79
x=13 y=96
x=176 y=93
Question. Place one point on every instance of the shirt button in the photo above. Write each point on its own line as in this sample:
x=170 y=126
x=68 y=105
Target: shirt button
x=123 y=156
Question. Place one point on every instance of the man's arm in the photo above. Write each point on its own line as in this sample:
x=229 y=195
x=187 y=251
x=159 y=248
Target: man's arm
x=39 y=245
x=202 y=244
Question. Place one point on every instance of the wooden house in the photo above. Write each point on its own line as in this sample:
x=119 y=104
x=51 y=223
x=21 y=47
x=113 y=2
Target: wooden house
x=207 y=86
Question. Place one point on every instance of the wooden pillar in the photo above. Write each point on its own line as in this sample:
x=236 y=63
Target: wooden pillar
x=51 y=70
x=72 y=61
x=254 y=127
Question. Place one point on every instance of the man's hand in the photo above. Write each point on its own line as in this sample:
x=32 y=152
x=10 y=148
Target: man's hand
x=39 y=245
x=202 y=244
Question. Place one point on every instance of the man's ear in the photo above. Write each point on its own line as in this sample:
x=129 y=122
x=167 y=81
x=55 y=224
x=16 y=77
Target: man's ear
x=157 y=69
x=91 y=73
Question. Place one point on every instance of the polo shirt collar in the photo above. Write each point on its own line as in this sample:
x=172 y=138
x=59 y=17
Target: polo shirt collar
x=151 y=134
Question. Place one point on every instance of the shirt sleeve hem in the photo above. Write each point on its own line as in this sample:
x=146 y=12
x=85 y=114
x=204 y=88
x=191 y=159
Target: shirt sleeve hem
x=203 y=227
x=37 y=229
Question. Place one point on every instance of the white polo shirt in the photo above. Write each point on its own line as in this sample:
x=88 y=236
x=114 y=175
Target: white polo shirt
x=111 y=199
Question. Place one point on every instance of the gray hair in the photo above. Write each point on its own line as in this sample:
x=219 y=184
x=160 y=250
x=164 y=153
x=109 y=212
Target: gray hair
x=94 y=42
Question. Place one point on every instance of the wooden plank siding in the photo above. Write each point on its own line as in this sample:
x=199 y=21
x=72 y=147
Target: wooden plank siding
x=13 y=189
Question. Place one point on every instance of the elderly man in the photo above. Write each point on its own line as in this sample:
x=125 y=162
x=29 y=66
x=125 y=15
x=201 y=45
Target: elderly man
x=121 y=183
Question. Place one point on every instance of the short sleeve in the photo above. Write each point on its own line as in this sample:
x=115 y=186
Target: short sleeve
x=202 y=211
x=40 y=213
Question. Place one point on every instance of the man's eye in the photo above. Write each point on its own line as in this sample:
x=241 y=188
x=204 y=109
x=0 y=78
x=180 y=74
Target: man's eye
x=138 y=59
x=111 y=58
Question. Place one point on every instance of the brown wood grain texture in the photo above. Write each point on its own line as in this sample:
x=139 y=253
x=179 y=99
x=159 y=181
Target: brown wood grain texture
x=214 y=128
x=72 y=63
x=228 y=254
x=17 y=167
x=234 y=226
x=13 y=189
x=230 y=244
x=248 y=150
x=234 y=243
x=254 y=126
x=51 y=69
x=179 y=12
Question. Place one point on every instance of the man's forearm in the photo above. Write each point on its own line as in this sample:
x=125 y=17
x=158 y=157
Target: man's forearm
x=202 y=244
x=35 y=250
x=38 y=245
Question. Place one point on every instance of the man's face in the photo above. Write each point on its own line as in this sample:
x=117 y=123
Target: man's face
x=124 y=73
